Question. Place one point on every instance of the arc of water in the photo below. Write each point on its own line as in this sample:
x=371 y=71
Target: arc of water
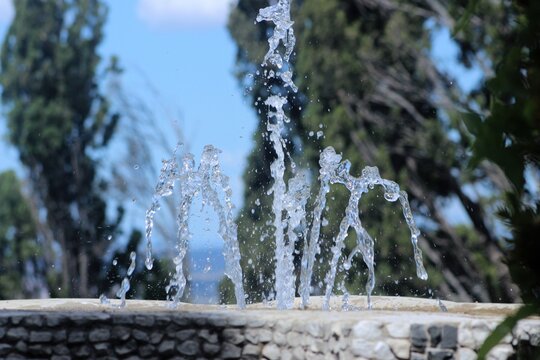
x=164 y=187
x=365 y=245
x=188 y=180
x=328 y=162
x=227 y=227
x=295 y=205
x=202 y=181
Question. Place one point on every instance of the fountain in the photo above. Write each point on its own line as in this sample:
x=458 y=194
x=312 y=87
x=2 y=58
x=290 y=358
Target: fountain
x=398 y=328
x=289 y=198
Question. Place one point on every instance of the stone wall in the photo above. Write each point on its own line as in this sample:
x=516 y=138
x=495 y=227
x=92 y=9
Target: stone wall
x=252 y=334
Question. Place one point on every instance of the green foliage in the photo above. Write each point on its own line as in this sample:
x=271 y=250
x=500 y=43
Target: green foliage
x=509 y=136
x=367 y=81
x=57 y=119
x=19 y=248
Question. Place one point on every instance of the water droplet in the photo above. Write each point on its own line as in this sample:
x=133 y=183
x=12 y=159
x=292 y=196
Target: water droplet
x=109 y=237
x=136 y=166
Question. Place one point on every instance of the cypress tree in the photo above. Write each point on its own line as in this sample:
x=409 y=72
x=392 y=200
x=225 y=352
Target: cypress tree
x=58 y=120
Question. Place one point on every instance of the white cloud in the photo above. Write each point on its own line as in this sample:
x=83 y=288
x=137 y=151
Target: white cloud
x=6 y=11
x=184 y=13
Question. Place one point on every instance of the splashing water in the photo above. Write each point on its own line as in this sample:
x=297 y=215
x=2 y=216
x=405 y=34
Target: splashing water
x=364 y=243
x=290 y=197
x=164 y=187
x=279 y=14
x=207 y=181
x=332 y=170
x=328 y=162
x=124 y=286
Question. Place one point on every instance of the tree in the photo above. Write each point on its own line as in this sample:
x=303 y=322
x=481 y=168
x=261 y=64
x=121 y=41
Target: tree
x=21 y=257
x=366 y=80
x=58 y=120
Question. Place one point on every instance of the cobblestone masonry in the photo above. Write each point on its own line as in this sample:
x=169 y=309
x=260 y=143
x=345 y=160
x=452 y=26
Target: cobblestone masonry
x=199 y=333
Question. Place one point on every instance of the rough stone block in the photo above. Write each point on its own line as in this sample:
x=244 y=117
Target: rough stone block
x=449 y=337
x=102 y=348
x=83 y=351
x=17 y=333
x=298 y=353
x=418 y=356
x=288 y=355
x=61 y=349
x=40 y=337
x=283 y=326
x=419 y=337
x=208 y=336
x=238 y=321
x=230 y=351
x=217 y=321
x=401 y=330
x=123 y=319
x=188 y=347
x=361 y=347
x=34 y=321
x=59 y=335
x=534 y=336
x=156 y=337
x=5 y=349
x=60 y=357
x=121 y=333
x=233 y=336
x=279 y=338
x=314 y=329
x=140 y=335
x=400 y=347
x=99 y=335
x=256 y=322
x=21 y=346
x=501 y=352
x=368 y=330
x=170 y=329
x=54 y=320
x=16 y=319
x=440 y=354
x=163 y=320
x=265 y=335
x=146 y=350
x=166 y=348
x=251 y=350
x=466 y=354
x=126 y=348
x=145 y=320
x=271 y=352
x=434 y=332
x=76 y=337
x=211 y=348
x=465 y=337
x=294 y=339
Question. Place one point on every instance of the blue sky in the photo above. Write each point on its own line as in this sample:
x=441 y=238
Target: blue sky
x=185 y=52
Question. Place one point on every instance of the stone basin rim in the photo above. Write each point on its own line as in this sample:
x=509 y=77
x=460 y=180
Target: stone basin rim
x=381 y=304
